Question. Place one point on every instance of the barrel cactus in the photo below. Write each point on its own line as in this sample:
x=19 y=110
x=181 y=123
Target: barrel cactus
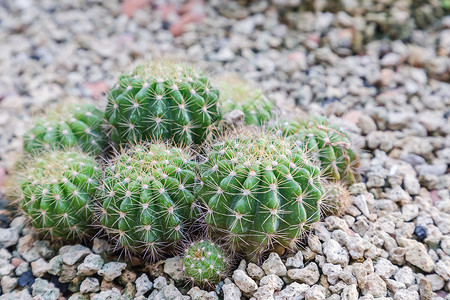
x=163 y=101
x=204 y=263
x=57 y=192
x=148 y=198
x=337 y=199
x=236 y=93
x=68 y=126
x=330 y=145
x=259 y=192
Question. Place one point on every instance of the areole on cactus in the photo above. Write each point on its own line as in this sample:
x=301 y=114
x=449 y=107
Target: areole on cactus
x=163 y=100
x=57 y=191
x=259 y=192
x=204 y=262
x=326 y=143
x=237 y=93
x=68 y=126
x=148 y=198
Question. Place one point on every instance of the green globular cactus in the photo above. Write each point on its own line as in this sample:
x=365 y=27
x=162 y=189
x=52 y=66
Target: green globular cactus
x=236 y=93
x=327 y=143
x=148 y=198
x=259 y=192
x=336 y=200
x=163 y=101
x=57 y=192
x=68 y=126
x=205 y=263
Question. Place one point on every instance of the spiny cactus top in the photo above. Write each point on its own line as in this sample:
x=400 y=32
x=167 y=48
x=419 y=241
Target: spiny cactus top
x=204 y=262
x=327 y=143
x=148 y=198
x=236 y=93
x=163 y=101
x=66 y=127
x=259 y=192
x=57 y=193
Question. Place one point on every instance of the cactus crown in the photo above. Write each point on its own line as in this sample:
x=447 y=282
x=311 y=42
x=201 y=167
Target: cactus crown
x=163 y=101
x=236 y=93
x=57 y=192
x=328 y=145
x=68 y=126
x=259 y=192
x=204 y=262
x=148 y=200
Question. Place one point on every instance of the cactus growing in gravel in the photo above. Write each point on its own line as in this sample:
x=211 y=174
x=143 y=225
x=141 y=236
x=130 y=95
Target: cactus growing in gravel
x=57 y=192
x=336 y=200
x=148 y=199
x=331 y=146
x=259 y=192
x=163 y=101
x=236 y=93
x=204 y=262
x=68 y=126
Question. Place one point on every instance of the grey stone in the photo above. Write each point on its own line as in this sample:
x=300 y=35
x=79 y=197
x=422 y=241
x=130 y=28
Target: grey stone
x=293 y=291
x=113 y=294
x=335 y=253
x=385 y=268
x=255 y=271
x=91 y=265
x=55 y=265
x=409 y=212
x=74 y=254
x=374 y=286
x=316 y=292
x=159 y=283
x=244 y=282
x=295 y=261
x=43 y=248
x=231 y=291
x=273 y=281
x=198 y=294
x=274 y=265
x=309 y=275
x=8 y=237
x=405 y=275
x=436 y=281
x=99 y=246
x=332 y=272
x=350 y=292
x=112 y=270
x=406 y=295
x=416 y=254
x=8 y=283
x=90 y=285
x=174 y=268
x=143 y=285
x=443 y=268
x=68 y=273
x=263 y=292
x=40 y=267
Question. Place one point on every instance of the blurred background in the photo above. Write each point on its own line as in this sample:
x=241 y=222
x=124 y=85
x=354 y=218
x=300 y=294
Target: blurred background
x=329 y=57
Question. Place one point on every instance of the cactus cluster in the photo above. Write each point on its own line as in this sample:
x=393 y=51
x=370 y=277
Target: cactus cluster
x=236 y=93
x=148 y=198
x=162 y=101
x=204 y=262
x=65 y=127
x=259 y=193
x=327 y=143
x=57 y=193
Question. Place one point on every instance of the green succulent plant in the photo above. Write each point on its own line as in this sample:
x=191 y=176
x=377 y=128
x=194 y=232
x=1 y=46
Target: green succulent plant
x=325 y=142
x=337 y=199
x=205 y=263
x=148 y=198
x=259 y=192
x=236 y=93
x=57 y=192
x=68 y=126
x=163 y=101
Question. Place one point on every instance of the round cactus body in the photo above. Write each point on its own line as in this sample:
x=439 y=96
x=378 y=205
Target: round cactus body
x=337 y=199
x=57 y=193
x=161 y=101
x=259 y=193
x=74 y=125
x=204 y=262
x=148 y=198
x=236 y=93
x=331 y=146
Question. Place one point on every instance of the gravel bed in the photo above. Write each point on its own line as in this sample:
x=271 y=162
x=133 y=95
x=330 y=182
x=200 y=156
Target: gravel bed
x=382 y=72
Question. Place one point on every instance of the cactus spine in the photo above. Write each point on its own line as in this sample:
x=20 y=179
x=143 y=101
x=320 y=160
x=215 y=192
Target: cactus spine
x=148 y=198
x=259 y=192
x=204 y=262
x=329 y=145
x=74 y=125
x=337 y=199
x=57 y=193
x=236 y=93
x=163 y=101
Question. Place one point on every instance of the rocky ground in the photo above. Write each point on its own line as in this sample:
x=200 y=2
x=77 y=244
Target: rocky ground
x=381 y=71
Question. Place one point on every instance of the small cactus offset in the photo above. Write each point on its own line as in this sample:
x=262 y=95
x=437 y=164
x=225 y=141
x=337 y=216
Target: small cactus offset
x=163 y=101
x=331 y=146
x=336 y=200
x=259 y=192
x=148 y=198
x=57 y=193
x=236 y=93
x=74 y=125
x=205 y=263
